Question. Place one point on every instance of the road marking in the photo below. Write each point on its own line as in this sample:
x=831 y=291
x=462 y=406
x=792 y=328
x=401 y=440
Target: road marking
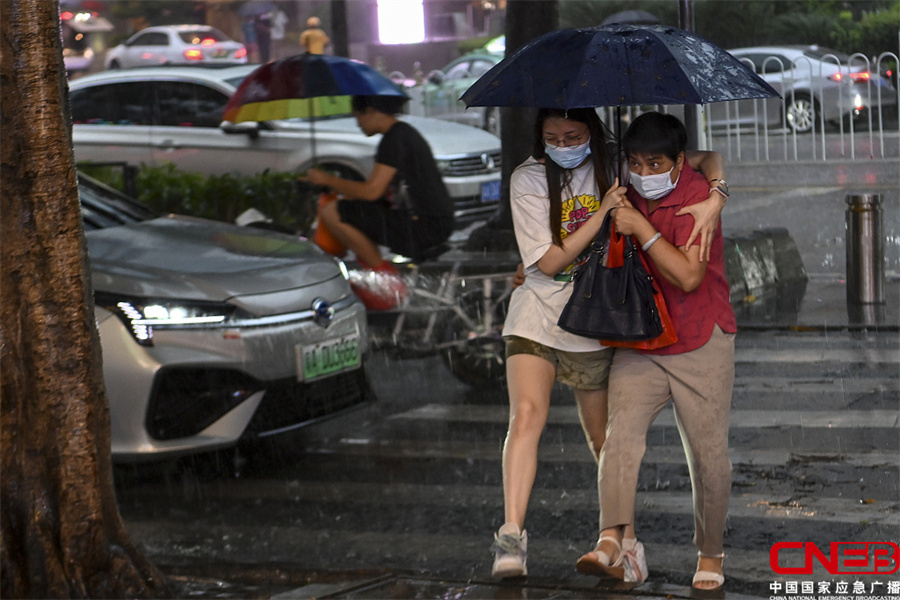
x=747 y=204
x=750 y=506
x=831 y=419
x=575 y=452
x=888 y=356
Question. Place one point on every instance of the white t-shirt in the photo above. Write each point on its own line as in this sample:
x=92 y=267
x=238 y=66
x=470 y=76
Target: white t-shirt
x=535 y=306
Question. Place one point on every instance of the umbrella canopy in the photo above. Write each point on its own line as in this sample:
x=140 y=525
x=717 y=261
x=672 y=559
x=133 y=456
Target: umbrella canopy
x=284 y=88
x=290 y=108
x=616 y=65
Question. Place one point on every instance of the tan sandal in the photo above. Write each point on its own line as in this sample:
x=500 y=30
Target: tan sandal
x=600 y=564
x=705 y=576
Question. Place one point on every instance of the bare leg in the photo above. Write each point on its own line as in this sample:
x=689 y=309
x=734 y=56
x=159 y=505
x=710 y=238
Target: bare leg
x=530 y=382
x=593 y=412
x=366 y=251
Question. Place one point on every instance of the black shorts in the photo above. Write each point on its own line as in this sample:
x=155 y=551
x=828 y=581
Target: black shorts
x=409 y=236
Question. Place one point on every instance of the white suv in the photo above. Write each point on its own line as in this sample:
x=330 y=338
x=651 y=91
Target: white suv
x=174 y=114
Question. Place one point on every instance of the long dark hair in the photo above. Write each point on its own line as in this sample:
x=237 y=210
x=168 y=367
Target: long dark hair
x=557 y=177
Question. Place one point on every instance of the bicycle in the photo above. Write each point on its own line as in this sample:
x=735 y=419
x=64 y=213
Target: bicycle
x=456 y=308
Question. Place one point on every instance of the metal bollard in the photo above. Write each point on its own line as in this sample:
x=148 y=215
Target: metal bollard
x=865 y=249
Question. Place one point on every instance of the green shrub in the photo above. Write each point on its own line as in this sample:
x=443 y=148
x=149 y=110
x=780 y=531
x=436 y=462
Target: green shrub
x=165 y=189
x=879 y=31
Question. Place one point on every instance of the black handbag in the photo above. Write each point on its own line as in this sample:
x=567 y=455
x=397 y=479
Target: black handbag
x=612 y=303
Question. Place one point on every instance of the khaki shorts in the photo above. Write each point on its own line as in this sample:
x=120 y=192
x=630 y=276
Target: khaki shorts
x=580 y=370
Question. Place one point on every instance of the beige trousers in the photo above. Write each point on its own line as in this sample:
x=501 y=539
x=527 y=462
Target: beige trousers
x=700 y=384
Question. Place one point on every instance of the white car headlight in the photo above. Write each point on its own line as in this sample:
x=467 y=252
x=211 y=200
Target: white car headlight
x=142 y=315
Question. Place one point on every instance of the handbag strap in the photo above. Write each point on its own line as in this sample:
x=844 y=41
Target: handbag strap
x=602 y=238
x=628 y=257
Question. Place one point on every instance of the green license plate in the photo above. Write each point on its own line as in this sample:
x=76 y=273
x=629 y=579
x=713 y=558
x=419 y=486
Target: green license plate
x=328 y=357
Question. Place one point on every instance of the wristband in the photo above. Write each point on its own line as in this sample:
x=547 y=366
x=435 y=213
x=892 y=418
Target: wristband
x=651 y=241
x=721 y=193
x=721 y=186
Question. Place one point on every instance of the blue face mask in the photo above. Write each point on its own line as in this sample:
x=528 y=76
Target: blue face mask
x=569 y=157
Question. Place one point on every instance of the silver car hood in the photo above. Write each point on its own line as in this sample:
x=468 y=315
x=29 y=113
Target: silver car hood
x=447 y=139
x=194 y=259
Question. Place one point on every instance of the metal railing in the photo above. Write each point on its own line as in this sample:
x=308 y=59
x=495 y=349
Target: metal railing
x=816 y=119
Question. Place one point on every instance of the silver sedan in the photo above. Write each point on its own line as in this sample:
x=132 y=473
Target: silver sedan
x=818 y=85
x=212 y=332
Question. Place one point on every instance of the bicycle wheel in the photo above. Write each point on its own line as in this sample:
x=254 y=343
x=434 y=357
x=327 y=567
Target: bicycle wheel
x=477 y=356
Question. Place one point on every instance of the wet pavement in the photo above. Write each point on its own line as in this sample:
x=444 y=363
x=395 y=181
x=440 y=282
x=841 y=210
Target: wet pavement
x=399 y=500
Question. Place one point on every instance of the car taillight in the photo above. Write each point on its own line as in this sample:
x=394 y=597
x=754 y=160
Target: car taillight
x=208 y=42
x=861 y=77
x=241 y=53
x=193 y=54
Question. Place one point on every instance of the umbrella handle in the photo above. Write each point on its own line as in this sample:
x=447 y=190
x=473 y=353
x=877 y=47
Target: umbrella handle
x=618 y=129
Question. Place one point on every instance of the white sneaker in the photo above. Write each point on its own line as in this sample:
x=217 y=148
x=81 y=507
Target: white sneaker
x=510 y=550
x=635 y=561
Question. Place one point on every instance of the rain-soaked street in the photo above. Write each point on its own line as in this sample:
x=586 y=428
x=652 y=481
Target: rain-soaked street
x=401 y=498
x=412 y=484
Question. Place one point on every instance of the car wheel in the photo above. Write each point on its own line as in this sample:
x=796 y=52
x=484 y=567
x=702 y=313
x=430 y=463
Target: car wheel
x=114 y=64
x=492 y=121
x=802 y=113
x=477 y=356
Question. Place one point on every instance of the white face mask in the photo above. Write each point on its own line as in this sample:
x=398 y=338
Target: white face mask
x=654 y=187
x=568 y=157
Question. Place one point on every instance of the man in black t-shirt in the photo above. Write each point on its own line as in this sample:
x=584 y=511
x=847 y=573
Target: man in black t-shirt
x=403 y=205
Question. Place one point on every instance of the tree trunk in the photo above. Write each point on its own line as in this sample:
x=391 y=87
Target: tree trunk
x=61 y=535
x=524 y=22
x=340 y=41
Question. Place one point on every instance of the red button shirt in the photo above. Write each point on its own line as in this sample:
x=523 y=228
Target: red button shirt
x=695 y=313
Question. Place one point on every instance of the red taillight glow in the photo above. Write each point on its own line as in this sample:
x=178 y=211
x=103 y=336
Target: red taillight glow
x=861 y=77
x=65 y=15
x=207 y=42
x=193 y=54
x=241 y=53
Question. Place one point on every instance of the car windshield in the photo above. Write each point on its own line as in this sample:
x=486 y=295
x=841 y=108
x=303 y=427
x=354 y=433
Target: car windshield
x=196 y=36
x=102 y=206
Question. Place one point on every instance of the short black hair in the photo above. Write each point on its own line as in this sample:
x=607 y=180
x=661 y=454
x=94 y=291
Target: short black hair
x=390 y=105
x=655 y=133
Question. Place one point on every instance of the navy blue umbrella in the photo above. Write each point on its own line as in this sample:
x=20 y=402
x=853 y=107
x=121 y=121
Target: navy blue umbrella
x=616 y=65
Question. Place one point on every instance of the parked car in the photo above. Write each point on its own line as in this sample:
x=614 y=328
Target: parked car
x=439 y=95
x=176 y=45
x=816 y=84
x=174 y=114
x=212 y=333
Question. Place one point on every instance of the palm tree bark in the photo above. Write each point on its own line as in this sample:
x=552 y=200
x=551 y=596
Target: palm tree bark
x=61 y=535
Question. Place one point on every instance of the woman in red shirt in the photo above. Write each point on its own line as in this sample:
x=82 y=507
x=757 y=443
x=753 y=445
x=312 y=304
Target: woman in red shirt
x=697 y=372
